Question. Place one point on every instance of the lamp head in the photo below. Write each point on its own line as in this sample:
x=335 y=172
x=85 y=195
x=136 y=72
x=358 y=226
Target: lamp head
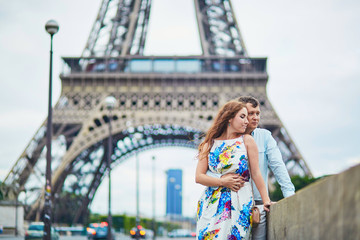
x=110 y=102
x=52 y=27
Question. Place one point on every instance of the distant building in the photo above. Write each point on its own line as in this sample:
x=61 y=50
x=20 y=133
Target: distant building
x=174 y=193
x=8 y=223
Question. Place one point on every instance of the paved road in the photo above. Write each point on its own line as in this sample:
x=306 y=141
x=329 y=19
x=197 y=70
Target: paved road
x=118 y=237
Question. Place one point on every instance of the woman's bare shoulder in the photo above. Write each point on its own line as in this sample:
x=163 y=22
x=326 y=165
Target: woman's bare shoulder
x=248 y=139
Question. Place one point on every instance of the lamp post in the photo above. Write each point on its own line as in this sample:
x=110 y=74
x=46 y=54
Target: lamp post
x=110 y=104
x=137 y=191
x=153 y=196
x=137 y=137
x=52 y=28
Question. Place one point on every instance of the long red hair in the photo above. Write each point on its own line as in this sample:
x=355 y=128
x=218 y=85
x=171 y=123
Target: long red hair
x=219 y=126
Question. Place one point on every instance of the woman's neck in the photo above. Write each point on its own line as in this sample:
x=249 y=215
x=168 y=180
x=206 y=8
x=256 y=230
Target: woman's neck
x=228 y=134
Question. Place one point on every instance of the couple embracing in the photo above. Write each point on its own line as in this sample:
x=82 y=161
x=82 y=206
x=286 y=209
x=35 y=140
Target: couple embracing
x=233 y=163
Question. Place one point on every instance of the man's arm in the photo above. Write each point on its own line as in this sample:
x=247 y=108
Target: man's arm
x=215 y=175
x=240 y=179
x=278 y=167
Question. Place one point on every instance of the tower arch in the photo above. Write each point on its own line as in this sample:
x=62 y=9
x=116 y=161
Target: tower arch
x=167 y=94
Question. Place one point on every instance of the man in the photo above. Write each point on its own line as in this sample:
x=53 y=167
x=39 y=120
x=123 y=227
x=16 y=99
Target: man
x=269 y=157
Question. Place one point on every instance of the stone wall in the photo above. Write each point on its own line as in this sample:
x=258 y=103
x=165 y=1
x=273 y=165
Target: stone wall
x=326 y=209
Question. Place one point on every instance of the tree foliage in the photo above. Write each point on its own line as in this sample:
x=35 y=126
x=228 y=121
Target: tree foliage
x=299 y=183
x=65 y=208
x=1 y=193
x=126 y=223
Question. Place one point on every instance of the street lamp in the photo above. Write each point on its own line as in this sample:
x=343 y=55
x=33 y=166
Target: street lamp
x=52 y=28
x=137 y=137
x=153 y=197
x=110 y=105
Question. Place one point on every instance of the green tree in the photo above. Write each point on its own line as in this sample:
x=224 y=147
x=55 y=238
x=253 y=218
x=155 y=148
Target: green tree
x=126 y=223
x=299 y=183
x=118 y=222
x=1 y=193
x=66 y=206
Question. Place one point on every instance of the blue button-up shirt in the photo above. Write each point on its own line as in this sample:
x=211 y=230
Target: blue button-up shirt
x=269 y=157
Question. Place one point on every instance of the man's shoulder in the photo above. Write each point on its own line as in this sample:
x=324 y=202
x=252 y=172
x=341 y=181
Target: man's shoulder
x=263 y=135
x=262 y=131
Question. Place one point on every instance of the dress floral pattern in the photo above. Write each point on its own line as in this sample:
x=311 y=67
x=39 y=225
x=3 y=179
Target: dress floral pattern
x=221 y=213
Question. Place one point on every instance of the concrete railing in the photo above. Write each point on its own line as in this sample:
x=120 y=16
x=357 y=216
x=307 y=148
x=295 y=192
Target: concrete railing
x=327 y=209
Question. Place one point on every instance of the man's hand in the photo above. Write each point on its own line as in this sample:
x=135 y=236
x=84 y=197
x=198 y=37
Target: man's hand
x=233 y=181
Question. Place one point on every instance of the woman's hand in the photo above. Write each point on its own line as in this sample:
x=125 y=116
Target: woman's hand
x=233 y=181
x=267 y=205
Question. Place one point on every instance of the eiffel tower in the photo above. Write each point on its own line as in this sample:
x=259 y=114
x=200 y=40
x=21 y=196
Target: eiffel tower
x=161 y=101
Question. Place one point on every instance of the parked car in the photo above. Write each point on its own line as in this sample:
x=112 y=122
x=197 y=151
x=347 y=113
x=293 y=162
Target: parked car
x=99 y=231
x=36 y=231
x=140 y=232
x=181 y=233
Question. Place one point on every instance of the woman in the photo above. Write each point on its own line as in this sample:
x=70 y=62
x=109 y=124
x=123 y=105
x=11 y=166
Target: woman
x=224 y=208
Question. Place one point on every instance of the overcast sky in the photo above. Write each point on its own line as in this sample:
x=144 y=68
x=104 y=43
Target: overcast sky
x=313 y=62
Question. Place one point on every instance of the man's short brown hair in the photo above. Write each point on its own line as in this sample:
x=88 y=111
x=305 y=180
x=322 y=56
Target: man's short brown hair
x=249 y=99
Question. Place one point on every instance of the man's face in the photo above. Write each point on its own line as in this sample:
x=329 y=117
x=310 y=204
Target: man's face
x=253 y=116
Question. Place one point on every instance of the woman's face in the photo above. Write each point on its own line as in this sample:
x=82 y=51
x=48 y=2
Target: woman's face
x=240 y=121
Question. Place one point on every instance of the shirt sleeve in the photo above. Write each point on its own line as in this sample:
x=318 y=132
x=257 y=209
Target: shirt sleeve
x=278 y=167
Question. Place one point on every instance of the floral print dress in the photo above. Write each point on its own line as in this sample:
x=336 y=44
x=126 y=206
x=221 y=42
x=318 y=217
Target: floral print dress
x=222 y=213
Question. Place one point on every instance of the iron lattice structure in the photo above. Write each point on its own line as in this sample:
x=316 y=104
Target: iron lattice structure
x=167 y=101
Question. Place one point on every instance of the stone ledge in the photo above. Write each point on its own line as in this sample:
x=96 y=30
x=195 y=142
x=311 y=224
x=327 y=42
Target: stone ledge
x=326 y=209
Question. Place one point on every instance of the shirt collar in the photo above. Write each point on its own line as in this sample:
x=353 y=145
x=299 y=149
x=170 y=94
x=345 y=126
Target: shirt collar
x=253 y=132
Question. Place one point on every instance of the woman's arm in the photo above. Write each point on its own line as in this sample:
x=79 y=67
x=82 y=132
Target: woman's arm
x=231 y=181
x=253 y=155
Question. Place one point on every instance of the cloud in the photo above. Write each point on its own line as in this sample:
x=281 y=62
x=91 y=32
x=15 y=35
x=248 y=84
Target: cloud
x=20 y=118
x=124 y=183
x=313 y=58
x=17 y=127
x=353 y=161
